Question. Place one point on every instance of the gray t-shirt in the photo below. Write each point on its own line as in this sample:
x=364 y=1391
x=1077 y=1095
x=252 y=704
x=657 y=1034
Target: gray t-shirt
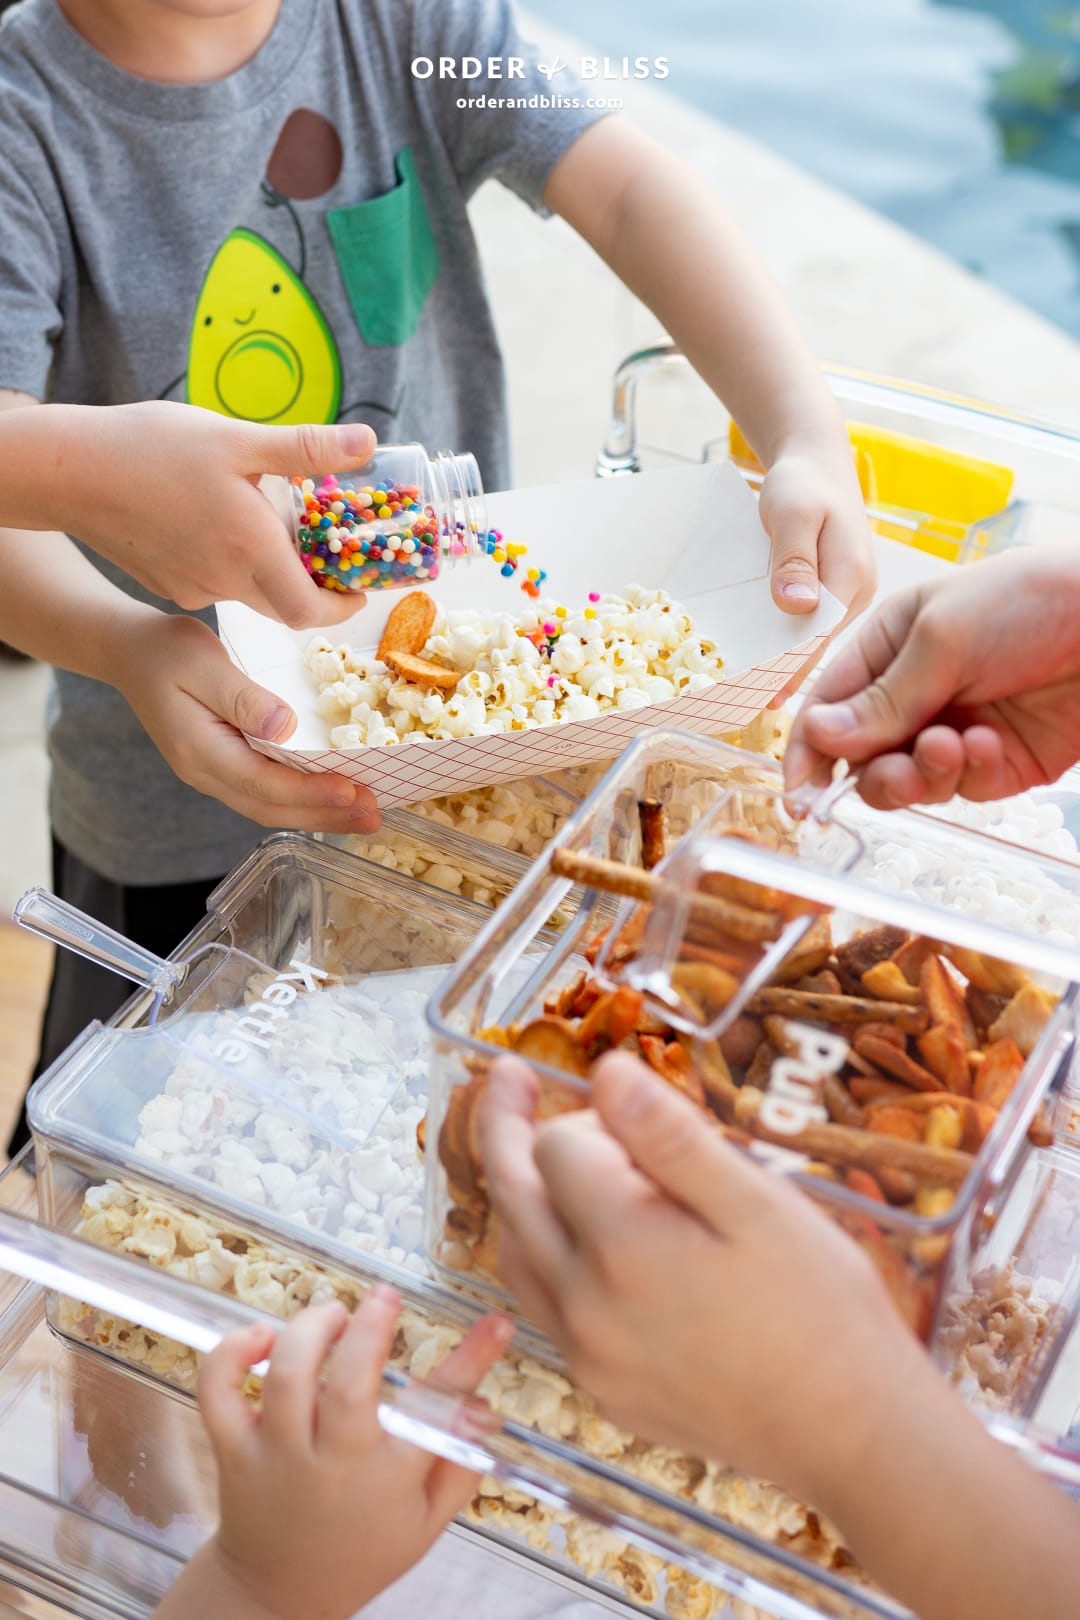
x=288 y=244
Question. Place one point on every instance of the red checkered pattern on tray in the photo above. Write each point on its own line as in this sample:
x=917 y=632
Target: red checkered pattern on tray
x=422 y=770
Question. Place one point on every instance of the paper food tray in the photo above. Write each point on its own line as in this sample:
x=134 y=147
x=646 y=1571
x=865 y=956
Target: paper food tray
x=693 y=532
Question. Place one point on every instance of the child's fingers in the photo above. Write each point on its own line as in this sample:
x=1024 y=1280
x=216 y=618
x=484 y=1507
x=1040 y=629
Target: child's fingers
x=535 y=1300
x=290 y=594
x=215 y=681
x=514 y=1184
x=274 y=795
x=280 y=585
x=348 y=1408
x=891 y=782
x=479 y=1350
x=448 y=1485
x=916 y=686
x=215 y=759
x=449 y=1489
x=848 y=673
x=931 y=774
x=290 y=1388
x=670 y=1140
x=846 y=563
x=576 y=1155
x=229 y=695
x=805 y=767
x=228 y=1417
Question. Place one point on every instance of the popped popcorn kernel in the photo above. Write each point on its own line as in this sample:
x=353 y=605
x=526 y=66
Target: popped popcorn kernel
x=545 y=667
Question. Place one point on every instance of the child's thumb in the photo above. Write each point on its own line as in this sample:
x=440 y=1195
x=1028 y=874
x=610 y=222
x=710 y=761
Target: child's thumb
x=794 y=529
x=240 y=701
x=309 y=449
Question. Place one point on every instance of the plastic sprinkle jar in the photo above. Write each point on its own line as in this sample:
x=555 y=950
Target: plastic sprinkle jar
x=394 y=522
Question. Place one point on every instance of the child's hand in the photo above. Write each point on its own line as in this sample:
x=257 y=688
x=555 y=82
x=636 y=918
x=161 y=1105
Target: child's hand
x=624 y=193
x=712 y=1306
x=696 y=1296
x=967 y=685
x=812 y=510
x=196 y=705
x=170 y=493
x=320 y=1509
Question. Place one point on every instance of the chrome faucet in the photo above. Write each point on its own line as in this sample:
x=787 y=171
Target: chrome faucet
x=620 y=452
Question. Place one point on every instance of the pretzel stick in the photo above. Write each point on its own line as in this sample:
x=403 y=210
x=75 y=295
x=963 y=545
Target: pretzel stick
x=612 y=877
x=826 y=1009
x=844 y=1144
x=653 y=820
x=923 y=1101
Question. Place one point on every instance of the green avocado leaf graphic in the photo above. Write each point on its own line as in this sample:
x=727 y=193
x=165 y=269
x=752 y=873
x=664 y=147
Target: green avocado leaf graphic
x=260 y=346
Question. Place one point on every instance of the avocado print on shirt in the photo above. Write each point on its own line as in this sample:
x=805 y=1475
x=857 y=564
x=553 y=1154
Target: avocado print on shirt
x=260 y=345
x=261 y=348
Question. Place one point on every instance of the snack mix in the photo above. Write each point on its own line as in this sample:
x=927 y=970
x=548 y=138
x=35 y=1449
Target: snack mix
x=929 y=1043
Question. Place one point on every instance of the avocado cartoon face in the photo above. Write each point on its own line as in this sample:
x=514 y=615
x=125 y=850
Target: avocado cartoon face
x=260 y=346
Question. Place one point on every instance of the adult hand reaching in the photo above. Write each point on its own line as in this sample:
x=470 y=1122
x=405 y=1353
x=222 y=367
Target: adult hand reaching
x=969 y=685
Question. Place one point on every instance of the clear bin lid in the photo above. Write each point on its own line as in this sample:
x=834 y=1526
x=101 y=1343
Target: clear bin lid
x=287 y=1090
x=466 y=1431
x=269 y=1048
x=303 y=1100
x=885 y=1006
x=789 y=926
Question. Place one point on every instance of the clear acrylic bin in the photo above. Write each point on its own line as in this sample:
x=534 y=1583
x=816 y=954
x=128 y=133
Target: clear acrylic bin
x=298 y=1109
x=517 y=819
x=108 y=1482
x=99 y=1501
x=431 y=854
x=513 y=819
x=958 y=478
x=641 y=1530
x=635 y=1527
x=480 y=845
x=96 y=1183
x=910 y=1143
x=434 y=852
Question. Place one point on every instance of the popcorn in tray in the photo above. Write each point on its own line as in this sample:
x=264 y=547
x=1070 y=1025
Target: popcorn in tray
x=465 y=674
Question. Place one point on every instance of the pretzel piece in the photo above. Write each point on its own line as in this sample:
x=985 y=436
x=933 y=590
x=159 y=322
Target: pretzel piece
x=614 y=877
x=945 y=1000
x=894 y=1060
x=837 y=1009
x=653 y=819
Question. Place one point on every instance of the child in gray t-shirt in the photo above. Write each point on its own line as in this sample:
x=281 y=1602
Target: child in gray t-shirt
x=260 y=206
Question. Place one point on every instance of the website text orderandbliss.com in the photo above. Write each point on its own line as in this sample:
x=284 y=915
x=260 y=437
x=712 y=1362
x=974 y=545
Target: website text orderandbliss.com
x=602 y=103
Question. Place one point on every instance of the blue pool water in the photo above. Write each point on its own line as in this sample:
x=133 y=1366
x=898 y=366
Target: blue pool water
x=958 y=118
